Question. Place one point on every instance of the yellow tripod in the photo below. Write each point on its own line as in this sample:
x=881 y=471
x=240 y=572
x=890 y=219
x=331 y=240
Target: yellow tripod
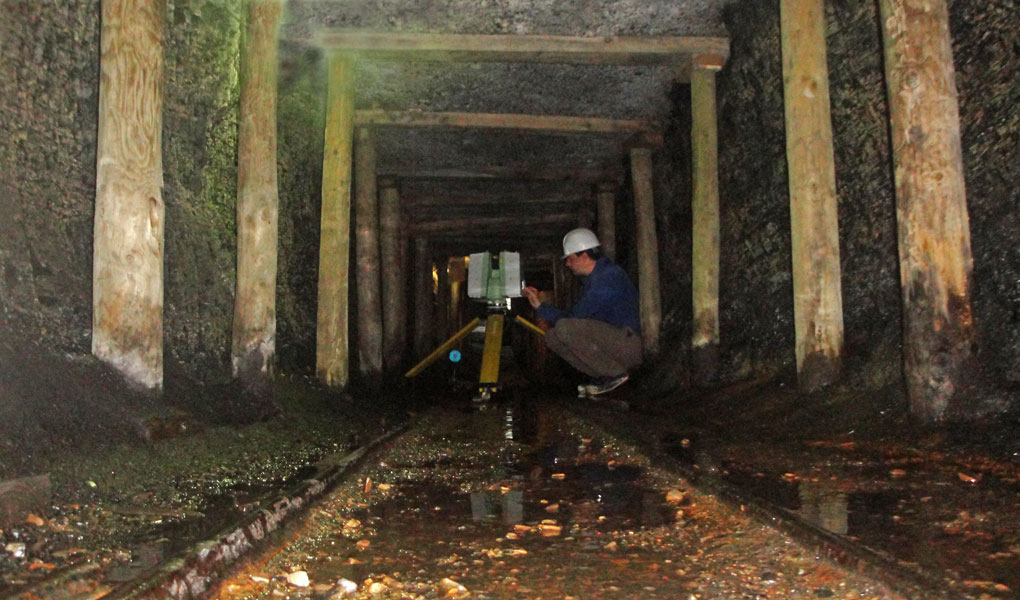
x=488 y=378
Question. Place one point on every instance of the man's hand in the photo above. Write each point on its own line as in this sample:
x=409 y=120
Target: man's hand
x=531 y=294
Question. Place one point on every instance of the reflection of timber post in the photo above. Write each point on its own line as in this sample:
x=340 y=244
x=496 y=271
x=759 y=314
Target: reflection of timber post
x=823 y=506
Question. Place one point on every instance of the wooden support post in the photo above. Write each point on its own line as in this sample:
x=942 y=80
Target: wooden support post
x=817 y=296
x=563 y=284
x=127 y=274
x=394 y=301
x=332 y=353
x=585 y=218
x=705 y=217
x=366 y=219
x=647 y=248
x=442 y=315
x=453 y=315
x=253 y=347
x=931 y=208
x=458 y=276
x=605 y=200
x=422 y=297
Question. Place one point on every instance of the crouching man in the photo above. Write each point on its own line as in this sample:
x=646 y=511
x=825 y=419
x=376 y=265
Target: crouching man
x=600 y=335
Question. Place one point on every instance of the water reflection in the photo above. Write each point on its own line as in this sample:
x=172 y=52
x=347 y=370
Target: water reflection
x=513 y=507
x=823 y=506
x=510 y=506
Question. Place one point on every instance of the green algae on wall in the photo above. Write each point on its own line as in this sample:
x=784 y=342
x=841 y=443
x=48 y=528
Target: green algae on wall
x=200 y=158
x=301 y=123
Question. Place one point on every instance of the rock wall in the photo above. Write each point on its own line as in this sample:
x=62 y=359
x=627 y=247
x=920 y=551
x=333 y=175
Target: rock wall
x=301 y=117
x=49 y=95
x=200 y=116
x=986 y=47
x=756 y=287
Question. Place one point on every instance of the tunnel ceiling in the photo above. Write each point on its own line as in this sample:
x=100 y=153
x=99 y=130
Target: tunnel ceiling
x=460 y=187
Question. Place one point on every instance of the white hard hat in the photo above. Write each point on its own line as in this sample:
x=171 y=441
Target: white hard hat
x=577 y=240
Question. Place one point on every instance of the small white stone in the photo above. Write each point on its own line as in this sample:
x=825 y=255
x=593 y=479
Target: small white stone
x=298 y=579
x=16 y=549
x=346 y=587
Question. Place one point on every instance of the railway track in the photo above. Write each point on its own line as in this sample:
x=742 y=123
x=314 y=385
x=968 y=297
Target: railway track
x=518 y=501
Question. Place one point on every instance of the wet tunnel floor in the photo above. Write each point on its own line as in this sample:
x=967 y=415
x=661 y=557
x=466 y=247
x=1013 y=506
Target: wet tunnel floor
x=512 y=503
x=951 y=516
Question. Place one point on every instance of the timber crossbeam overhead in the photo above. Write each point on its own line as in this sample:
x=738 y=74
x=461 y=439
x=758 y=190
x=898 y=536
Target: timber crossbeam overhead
x=492 y=223
x=642 y=132
x=675 y=51
x=495 y=173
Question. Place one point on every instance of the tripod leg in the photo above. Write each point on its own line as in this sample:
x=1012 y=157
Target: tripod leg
x=529 y=325
x=489 y=376
x=443 y=348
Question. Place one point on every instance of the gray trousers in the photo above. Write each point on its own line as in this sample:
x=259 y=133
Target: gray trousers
x=594 y=347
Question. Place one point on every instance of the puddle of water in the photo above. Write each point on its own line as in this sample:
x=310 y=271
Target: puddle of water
x=893 y=519
x=824 y=507
x=548 y=476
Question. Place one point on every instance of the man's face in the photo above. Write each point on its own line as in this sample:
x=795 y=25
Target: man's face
x=579 y=263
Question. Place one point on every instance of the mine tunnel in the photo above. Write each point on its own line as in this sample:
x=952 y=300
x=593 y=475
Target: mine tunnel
x=273 y=277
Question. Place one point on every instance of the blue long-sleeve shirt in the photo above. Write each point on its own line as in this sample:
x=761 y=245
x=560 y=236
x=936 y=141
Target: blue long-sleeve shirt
x=607 y=294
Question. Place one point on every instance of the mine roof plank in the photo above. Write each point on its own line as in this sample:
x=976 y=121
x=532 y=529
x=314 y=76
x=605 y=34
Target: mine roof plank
x=550 y=49
x=500 y=172
x=515 y=223
x=540 y=123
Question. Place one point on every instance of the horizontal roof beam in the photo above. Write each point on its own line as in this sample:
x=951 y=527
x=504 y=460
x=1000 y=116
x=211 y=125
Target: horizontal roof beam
x=486 y=223
x=479 y=200
x=638 y=133
x=550 y=49
x=518 y=173
x=519 y=122
x=530 y=250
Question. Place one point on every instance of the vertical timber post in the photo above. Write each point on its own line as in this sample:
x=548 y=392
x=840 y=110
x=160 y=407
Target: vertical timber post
x=705 y=220
x=458 y=276
x=254 y=331
x=127 y=273
x=931 y=207
x=422 y=297
x=584 y=216
x=366 y=218
x=605 y=201
x=393 y=298
x=647 y=248
x=443 y=298
x=563 y=284
x=332 y=352
x=817 y=295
